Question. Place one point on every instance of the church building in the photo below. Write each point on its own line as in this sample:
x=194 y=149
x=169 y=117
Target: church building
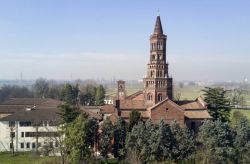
x=156 y=100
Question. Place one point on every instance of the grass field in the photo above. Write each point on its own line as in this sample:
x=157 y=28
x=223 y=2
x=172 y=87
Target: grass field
x=244 y=112
x=23 y=158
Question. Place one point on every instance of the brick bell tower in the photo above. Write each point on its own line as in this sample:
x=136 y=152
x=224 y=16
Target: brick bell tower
x=157 y=84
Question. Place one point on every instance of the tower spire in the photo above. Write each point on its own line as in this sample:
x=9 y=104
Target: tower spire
x=158 y=28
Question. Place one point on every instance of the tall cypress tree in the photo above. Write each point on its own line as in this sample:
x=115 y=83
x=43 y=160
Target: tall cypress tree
x=100 y=95
x=119 y=137
x=134 y=118
x=105 y=138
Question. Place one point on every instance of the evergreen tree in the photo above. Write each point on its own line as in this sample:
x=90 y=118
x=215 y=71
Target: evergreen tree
x=242 y=141
x=150 y=143
x=105 y=138
x=119 y=137
x=100 y=95
x=70 y=94
x=183 y=147
x=136 y=140
x=164 y=142
x=134 y=118
x=68 y=113
x=218 y=104
x=75 y=140
x=217 y=142
x=92 y=132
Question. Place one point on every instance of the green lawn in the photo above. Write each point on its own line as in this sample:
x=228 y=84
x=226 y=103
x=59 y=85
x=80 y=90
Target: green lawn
x=23 y=158
x=244 y=112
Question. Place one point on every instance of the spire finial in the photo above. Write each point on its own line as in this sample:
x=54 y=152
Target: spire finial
x=158 y=12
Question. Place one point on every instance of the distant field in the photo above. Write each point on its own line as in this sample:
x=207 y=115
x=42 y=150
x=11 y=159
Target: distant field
x=130 y=89
x=248 y=100
x=186 y=93
x=189 y=92
x=244 y=112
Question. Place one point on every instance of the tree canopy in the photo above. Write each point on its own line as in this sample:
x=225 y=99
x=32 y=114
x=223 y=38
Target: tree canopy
x=218 y=103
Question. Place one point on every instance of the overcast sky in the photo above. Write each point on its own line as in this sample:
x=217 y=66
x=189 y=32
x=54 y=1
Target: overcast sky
x=54 y=39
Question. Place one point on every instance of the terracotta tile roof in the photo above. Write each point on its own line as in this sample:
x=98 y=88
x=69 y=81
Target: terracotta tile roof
x=33 y=101
x=108 y=109
x=20 y=104
x=168 y=101
x=37 y=114
x=197 y=114
x=90 y=113
x=192 y=104
x=136 y=96
x=13 y=108
x=132 y=104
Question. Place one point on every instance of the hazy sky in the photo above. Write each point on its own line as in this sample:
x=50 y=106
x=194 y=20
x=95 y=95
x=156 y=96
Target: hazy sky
x=207 y=39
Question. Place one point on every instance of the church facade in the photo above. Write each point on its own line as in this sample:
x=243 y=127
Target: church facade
x=156 y=100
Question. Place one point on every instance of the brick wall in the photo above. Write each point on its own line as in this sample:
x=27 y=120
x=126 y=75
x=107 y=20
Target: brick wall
x=168 y=112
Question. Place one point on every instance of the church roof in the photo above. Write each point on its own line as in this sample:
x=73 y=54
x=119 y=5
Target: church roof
x=137 y=95
x=170 y=102
x=197 y=114
x=132 y=104
x=158 y=27
x=108 y=109
x=192 y=104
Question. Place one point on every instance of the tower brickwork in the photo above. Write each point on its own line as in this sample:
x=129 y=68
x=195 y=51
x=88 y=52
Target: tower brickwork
x=157 y=83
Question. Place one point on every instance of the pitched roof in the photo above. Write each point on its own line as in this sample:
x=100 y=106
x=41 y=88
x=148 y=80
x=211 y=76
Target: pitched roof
x=32 y=101
x=107 y=109
x=12 y=108
x=90 y=113
x=197 y=114
x=38 y=114
x=192 y=104
x=136 y=96
x=168 y=101
x=132 y=104
x=20 y=104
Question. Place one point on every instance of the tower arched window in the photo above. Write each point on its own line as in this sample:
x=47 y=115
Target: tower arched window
x=149 y=97
x=159 y=97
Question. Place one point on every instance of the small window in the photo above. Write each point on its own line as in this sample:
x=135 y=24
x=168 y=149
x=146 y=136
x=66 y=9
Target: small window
x=12 y=134
x=22 y=134
x=25 y=123
x=166 y=109
x=159 y=97
x=45 y=123
x=33 y=145
x=11 y=145
x=12 y=124
x=27 y=145
x=22 y=145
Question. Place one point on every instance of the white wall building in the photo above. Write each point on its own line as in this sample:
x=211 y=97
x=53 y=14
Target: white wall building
x=26 y=128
